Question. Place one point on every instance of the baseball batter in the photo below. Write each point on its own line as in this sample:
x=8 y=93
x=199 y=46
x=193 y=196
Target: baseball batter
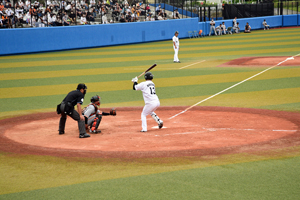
x=176 y=47
x=151 y=100
x=93 y=115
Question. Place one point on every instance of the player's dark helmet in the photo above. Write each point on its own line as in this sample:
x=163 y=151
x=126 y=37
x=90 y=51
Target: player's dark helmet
x=95 y=98
x=81 y=86
x=148 y=76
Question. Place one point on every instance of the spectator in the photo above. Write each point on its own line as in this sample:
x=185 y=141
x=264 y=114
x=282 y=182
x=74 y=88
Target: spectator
x=89 y=16
x=247 y=28
x=104 y=19
x=147 y=8
x=266 y=26
x=83 y=19
x=122 y=20
x=1 y=6
x=72 y=17
x=236 y=28
x=223 y=28
x=175 y=14
x=212 y=27
x=157 y=9
x=2 y=25
x=59 y=21
x=65 y=20
x=92 y=3
x=19 y=19
x=27 y=5
x=148 y=17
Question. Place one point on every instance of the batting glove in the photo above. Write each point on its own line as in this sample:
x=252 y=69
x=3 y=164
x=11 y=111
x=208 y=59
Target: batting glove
x=135 y=79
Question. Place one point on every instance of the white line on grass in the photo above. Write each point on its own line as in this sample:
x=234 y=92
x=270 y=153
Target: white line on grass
x=290 y=58
x=192 y=64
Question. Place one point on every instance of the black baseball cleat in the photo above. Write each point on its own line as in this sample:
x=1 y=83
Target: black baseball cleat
x=161 y=124
x=61 y=132
x=85 y=135
x=178 y=61
x=143 y=131
x=95 y=131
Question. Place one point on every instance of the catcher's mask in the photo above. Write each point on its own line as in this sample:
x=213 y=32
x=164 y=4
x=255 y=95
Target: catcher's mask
x=96 y=100
x=148 y=76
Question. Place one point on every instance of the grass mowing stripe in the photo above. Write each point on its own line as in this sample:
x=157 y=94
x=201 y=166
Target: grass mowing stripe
x=44 y=78
x=284 y=107
x=17 y=92
x=112 y=70
x=167 y=92
x=254 y=180
x=256 y=99
x=209 y=45
x=163 y=82
x=158 y=57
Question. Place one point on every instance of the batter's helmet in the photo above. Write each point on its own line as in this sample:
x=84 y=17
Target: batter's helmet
x=81 y=86
x=148 y=76
x=95 y=98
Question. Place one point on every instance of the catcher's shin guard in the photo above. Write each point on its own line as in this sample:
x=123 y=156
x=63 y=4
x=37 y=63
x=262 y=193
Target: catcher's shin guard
x=96 y=122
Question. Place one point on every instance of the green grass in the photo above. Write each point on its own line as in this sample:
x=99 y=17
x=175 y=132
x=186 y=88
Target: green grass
x=38 y=82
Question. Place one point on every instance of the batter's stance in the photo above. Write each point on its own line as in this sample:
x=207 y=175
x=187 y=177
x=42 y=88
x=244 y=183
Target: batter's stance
x=176 y=47
x=93 y=115
x=150 y=98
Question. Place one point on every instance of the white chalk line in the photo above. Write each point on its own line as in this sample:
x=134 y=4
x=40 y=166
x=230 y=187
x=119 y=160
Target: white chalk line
x=290 y=58
x=192 y=64
x=228 y=129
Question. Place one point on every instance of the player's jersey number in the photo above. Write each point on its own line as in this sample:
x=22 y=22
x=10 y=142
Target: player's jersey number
x=152 y=90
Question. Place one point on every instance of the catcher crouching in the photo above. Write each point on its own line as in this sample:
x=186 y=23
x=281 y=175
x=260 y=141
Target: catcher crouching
x=93 y=115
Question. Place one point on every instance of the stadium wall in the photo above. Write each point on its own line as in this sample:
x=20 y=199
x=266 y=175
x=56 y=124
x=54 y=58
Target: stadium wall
x=30 y=40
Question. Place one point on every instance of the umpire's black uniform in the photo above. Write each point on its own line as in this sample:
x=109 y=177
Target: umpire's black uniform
x=67 y=108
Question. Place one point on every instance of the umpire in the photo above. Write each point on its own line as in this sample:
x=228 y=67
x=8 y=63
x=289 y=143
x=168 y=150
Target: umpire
x=66 y=107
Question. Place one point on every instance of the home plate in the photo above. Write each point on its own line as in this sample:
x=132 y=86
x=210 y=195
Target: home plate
x=157 y=127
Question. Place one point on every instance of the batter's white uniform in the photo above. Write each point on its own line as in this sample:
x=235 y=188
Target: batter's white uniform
x=151 y=101
x=176 y=41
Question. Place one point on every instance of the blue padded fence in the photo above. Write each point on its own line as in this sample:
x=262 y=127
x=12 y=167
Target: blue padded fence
x=30 y=40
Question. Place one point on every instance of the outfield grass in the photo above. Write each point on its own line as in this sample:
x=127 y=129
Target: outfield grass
x=38 y=82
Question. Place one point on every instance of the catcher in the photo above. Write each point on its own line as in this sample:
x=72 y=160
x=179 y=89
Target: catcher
x=93 y=115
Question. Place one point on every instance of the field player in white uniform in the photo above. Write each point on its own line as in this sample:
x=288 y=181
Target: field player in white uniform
x=176 y=47
x=150 y=98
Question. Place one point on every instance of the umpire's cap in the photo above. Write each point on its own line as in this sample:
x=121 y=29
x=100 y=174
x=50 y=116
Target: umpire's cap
x=176 y=32
x=81 y=86
x=148 y=76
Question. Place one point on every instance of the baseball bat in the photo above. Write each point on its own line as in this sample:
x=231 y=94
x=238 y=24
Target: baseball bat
x=147 y=70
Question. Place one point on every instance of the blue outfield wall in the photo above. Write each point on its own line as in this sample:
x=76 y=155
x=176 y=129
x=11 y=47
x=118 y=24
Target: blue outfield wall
x=290 y=20
x=30 y=40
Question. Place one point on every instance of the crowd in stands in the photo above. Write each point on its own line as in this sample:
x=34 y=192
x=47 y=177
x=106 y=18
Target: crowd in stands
x=74 y=12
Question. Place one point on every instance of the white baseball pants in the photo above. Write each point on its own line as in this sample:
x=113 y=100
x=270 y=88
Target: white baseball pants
x=176 y=54
x=148 y=109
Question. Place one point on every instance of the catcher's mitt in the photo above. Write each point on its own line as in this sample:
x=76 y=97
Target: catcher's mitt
x=113 y=112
